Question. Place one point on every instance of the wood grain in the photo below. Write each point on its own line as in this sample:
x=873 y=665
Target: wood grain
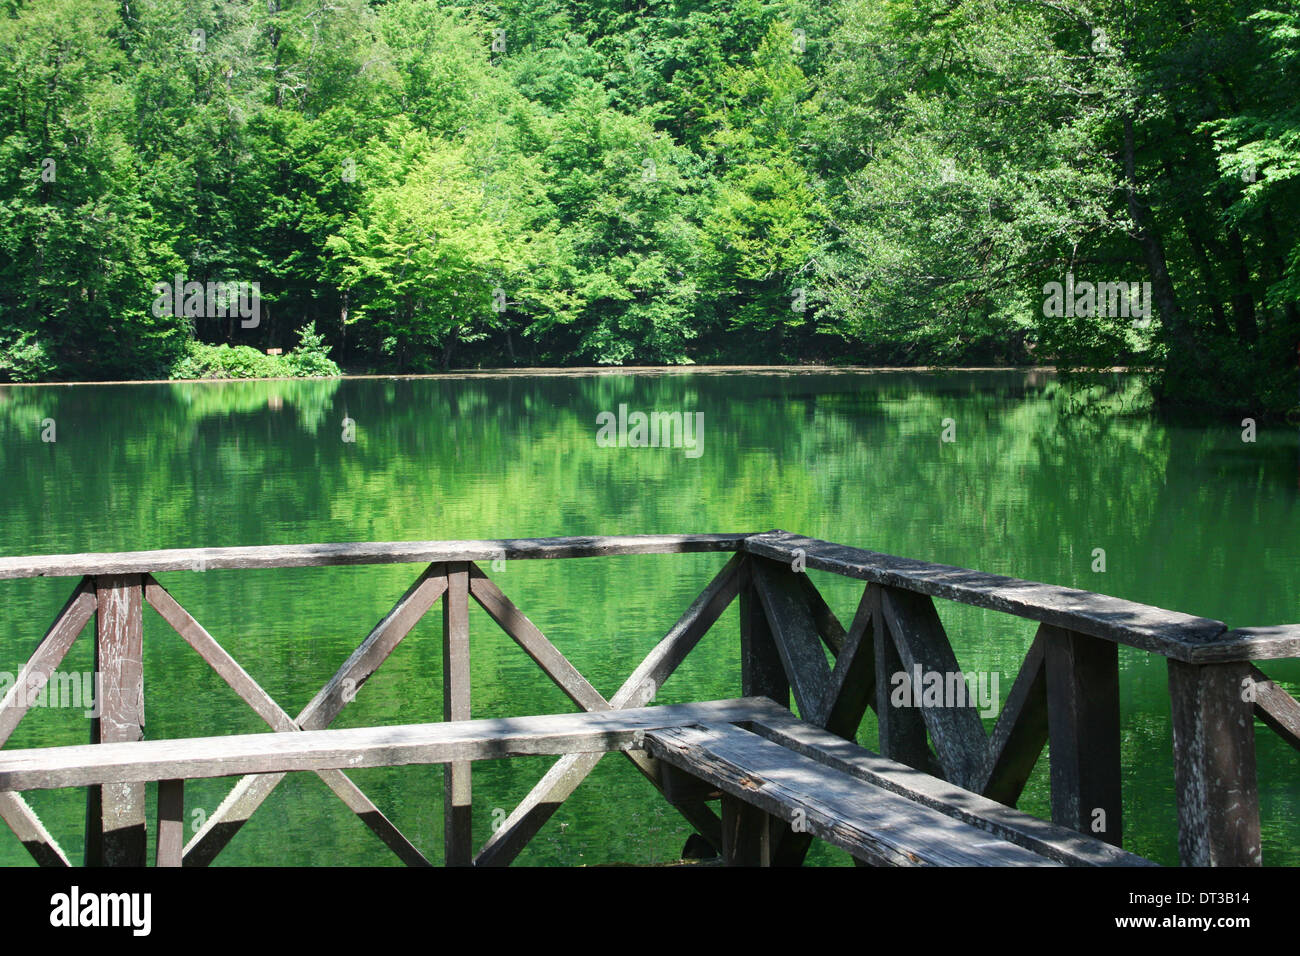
x=871 y=823
x=1061 y=844
x=45 y=768
x=1180 y=636
x=115 y=813
x=390 y=552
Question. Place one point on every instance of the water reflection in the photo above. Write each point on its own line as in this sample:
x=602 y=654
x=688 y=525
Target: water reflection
x=1037 y=478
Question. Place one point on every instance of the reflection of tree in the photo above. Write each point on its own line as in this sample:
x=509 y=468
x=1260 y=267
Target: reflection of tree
x=1191 y=519
x=307 y=399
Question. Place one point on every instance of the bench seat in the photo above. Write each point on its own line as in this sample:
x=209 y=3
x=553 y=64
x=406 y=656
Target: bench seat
x=880 y=811
x=763 y=762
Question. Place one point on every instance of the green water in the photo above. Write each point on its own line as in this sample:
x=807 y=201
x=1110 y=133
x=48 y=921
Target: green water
x=1190 y=518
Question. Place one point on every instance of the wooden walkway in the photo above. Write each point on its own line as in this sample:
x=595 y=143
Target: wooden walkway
x=941 y=791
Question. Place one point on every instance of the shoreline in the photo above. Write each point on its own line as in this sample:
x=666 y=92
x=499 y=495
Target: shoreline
x=590 y=371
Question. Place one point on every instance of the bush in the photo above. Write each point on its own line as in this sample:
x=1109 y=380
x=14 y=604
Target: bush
x=309 y=360
x=25 y=360
x=225 y=361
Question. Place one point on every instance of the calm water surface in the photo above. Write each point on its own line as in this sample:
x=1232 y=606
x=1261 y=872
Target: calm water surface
x=1190 y=518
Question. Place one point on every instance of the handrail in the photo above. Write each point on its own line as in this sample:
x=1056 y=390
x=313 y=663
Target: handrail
x=1172 y=634
x=1067 y=688
x=367 y=552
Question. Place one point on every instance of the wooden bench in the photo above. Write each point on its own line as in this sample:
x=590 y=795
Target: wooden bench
x=758 y=757
x=880 y=811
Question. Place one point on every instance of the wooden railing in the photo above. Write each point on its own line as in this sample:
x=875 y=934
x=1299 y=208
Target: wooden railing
x=1067 y=689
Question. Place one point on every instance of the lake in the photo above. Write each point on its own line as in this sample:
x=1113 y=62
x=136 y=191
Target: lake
x=1190 y=518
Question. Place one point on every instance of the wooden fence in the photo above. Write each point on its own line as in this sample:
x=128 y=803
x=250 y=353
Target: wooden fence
x=1066 y=692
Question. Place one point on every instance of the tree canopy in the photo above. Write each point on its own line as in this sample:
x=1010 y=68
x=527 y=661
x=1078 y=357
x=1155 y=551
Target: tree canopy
x=419 y=185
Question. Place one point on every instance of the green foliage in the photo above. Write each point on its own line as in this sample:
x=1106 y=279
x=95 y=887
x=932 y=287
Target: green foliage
x=309 y=360
x=25 y=360
x=226 y=361
x=425 y=184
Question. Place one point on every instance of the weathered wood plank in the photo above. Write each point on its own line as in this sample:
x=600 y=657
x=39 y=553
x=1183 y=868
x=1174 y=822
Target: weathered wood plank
x=1214 y=765
x=1276 y=708
x=746 y=834
x=1058 y=843
x=537 y=807
x=797 y=640
x=853 y=681
x=1180 y=636
x=639 y=689
x=954 y=724
x=784 y=847
x=576 y=687
x=850 y=691
x=1255 y=644
x=44 y=849
x=1083 y=727
x=643 y=684
x=249 y=794
x=457 y=833
x=390 y=552
x=229 y=818
x=761 y=672
x=793 y=605
x=374 y=819
x=902 y=733
x=49 y=653
x=115 y=825
x=1020 y=732
x=828 y=625
x=869 y=822
x=788 y=847
x=190 y=758
x=171 y=822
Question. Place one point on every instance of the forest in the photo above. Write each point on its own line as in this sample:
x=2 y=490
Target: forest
x=413 y=186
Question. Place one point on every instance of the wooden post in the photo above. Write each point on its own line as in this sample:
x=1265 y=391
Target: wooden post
x=853 y=681
x=784 y=597
x=1214 y=764
x=921 y=644
x=746 y=834
x=1083 y=730
x=115 y=819
x=171 y=822
x=902 y=729
x=457 y=832
x=1020 y=732
x=761 y=671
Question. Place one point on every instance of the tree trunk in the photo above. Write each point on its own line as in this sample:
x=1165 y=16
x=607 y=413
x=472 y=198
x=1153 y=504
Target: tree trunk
x=1183 y=362
x=448 y=347
x=1243 y=303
